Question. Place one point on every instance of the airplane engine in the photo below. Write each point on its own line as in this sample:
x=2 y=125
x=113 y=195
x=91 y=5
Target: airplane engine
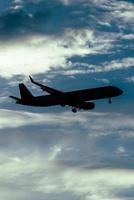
x=88 y=106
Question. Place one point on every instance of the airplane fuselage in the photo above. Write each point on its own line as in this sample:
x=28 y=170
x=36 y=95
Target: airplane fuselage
x=73 y=97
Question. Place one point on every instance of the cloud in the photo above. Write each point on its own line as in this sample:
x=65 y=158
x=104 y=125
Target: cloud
x=120 y=122
x=27 y=118
x=4 y=99
x=128 y=36
x=37 y=41
x=61 y=134
x=36 y=17
x=119 y=64
x=34 y=59
x=76 y=68
x=19 y=23
x=100 y=185
x=30 y=58
x=66 y=2
x=40 y=54
x=130 y=79
x=66 y=157
x=61 y=155
x=121 y=151
x=41 y=17
x=35 y=175
x=103 y=80
x=117 y=14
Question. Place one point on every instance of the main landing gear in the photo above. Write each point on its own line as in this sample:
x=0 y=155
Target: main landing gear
x=74 y=110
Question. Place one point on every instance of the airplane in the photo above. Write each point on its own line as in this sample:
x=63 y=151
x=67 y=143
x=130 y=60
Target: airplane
x=78 y=99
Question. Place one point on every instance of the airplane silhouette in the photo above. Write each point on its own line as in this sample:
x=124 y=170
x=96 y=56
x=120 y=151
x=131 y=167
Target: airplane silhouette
x=79 y=99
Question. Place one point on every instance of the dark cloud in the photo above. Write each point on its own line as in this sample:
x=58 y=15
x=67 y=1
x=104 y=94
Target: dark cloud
x=19 y=23
x=127 y=193
x=29 y=18
x=47 y=17
x=54 y=17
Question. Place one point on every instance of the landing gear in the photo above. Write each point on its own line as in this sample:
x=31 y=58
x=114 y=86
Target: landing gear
x=63 y=105
x=109 y=101
x=74 y=110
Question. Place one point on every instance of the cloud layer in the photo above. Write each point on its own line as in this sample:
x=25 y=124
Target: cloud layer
x=68 y=157
x=36 y=40
x=51 y=153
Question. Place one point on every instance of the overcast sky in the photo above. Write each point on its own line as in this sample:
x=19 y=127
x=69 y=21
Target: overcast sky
x=51 y=153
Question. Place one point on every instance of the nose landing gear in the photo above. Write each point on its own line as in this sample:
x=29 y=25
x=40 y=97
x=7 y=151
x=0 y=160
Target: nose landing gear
x=109 y=101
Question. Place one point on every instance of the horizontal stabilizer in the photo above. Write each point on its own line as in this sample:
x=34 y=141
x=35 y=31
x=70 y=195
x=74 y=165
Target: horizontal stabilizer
x=24 y=92
x=16 y=98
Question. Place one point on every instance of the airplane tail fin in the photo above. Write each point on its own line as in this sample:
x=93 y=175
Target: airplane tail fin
x=24 y=92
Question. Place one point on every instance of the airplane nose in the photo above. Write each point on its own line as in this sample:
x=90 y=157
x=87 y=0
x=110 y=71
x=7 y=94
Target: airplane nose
x=120 y=91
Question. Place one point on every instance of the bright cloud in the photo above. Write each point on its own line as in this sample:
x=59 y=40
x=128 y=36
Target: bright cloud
x=114 y=121
x=30 y=58
x=26 y=118
x=130 y=79
x=119 y=64
x=85 y=68
x=39 y=54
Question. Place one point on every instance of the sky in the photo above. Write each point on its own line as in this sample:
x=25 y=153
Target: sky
x=52 y=153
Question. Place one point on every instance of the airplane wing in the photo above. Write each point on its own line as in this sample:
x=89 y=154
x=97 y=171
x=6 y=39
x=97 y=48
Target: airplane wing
x=63 y=97
x=46 y=88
